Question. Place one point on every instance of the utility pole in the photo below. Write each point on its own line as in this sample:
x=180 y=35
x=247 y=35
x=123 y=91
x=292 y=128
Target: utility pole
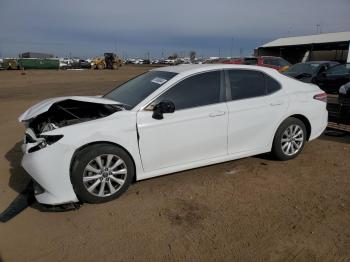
x=318 y=29
x=231 y=51
x=115 y=47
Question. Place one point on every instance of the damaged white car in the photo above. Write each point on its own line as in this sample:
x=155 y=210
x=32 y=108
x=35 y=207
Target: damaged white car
x=169 y=119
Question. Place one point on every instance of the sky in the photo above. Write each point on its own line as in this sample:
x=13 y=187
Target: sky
x=86 y=28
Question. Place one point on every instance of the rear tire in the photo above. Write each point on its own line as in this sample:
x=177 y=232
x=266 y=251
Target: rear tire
x=101 y=173
x=289 y=139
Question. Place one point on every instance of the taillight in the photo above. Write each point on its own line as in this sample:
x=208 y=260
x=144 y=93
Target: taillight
x=321 y=97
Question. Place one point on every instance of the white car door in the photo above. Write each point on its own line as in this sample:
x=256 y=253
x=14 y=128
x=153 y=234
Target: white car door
x=197 y=130
x=256 y=107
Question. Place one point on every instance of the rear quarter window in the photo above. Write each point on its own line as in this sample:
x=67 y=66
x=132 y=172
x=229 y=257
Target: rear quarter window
x=272 y=85
x=246 y=84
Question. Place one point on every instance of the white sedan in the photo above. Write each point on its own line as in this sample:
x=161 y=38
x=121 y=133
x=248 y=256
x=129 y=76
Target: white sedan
x=169 y=119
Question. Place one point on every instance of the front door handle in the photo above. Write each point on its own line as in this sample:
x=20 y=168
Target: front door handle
x=217 y=113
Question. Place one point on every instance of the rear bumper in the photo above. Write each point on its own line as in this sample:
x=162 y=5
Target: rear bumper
x=49 y=167
x=318 y=125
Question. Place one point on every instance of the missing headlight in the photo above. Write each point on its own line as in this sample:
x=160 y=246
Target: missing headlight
x=46 y=140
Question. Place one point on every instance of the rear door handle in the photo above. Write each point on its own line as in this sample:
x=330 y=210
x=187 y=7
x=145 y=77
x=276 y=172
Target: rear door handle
x=217 y=113
x=276 y=103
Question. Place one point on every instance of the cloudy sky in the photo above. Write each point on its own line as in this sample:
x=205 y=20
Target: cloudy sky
x=134 y=28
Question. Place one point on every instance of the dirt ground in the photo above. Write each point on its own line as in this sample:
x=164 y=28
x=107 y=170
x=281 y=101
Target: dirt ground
x=253 y=209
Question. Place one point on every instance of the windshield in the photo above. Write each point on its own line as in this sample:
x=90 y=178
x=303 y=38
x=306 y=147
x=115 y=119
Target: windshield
x=339 y=69
x=135 y=90
x=304 y=68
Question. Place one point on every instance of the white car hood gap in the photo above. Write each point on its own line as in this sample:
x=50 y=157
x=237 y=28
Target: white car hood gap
x=45 y=105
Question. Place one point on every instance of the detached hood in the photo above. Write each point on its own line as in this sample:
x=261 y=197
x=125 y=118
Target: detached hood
x=45 y=105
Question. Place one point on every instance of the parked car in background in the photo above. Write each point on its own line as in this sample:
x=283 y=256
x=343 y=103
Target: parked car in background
x=339 y=111
x=308 y=71
x=332 y=79
x=277 y=63
x=274 y=62
x=64 y=65
x=164 y=121
x=84 y=64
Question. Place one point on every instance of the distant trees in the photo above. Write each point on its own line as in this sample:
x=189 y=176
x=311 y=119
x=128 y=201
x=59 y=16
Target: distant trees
x=192 y=56
x=173 y=56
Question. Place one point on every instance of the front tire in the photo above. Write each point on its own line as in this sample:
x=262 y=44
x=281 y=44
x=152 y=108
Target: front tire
x=101 y=173
x=289 y=139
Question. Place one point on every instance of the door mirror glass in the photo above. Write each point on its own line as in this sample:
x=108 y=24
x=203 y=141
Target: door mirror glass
x=163 y=107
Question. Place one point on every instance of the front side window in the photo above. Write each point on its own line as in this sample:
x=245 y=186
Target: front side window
x=137 y=89
x=246 y=84
x=198 y=90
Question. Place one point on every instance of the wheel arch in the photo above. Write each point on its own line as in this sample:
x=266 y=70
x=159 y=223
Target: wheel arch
x=78 y=150
x=306 y=122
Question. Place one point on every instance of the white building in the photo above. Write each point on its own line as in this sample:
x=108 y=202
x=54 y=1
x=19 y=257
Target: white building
x=330 y=46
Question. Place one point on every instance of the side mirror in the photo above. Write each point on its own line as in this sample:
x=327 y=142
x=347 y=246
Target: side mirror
x=161 y=108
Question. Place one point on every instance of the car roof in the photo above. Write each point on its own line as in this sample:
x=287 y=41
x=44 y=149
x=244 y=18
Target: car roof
x=193 y=68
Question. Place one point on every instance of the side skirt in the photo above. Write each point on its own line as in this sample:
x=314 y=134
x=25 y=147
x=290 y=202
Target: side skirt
x=201 y=163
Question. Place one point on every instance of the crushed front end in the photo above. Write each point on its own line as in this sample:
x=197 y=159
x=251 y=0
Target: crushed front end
x=46 y=156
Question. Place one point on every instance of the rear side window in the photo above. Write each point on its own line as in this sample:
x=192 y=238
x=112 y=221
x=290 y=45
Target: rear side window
x=271 y=85
x=283 y=62
x=199 y=90
x=267 y=61
x=246 y=84
x=274 y=62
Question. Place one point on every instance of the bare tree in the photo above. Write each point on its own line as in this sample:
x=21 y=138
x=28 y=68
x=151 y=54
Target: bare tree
x=192 y=56
x=173 y=56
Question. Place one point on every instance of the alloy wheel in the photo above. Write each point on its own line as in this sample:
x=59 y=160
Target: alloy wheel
x=104 y=175
x=292 y=140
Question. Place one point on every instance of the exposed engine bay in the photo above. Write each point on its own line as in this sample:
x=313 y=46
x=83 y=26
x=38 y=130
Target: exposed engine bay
x=70 y=112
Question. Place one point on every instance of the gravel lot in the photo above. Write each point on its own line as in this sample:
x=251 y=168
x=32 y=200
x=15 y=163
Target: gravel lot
x=253 y=209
